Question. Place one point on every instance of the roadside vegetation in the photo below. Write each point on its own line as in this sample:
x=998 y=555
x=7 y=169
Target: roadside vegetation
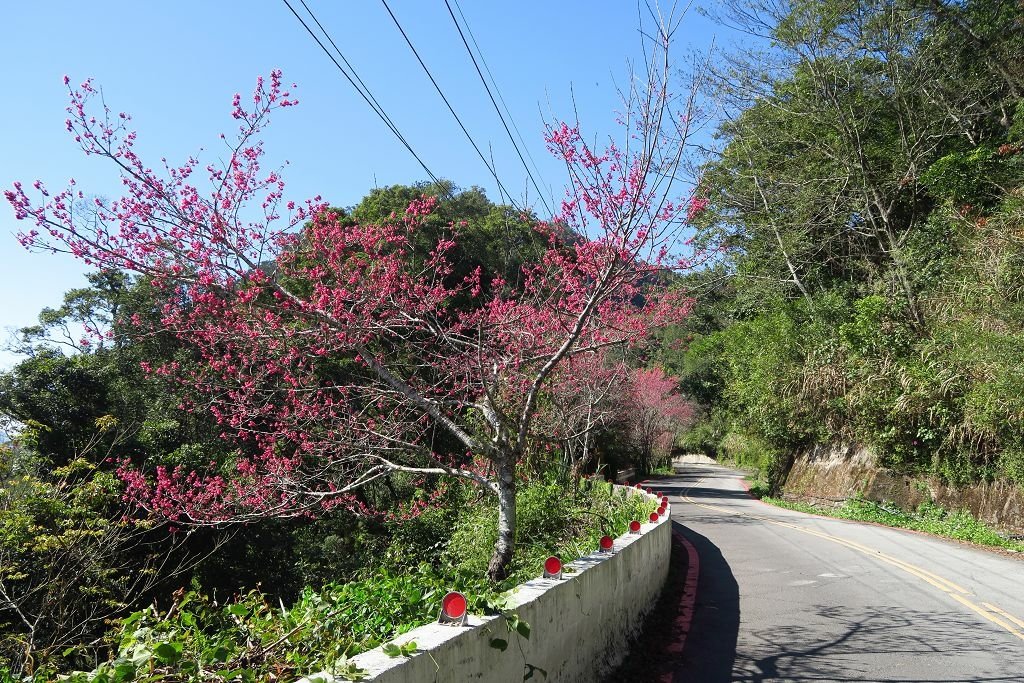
x=90 y=581
x=929 y=517
x=869 y=206
x=255 y=636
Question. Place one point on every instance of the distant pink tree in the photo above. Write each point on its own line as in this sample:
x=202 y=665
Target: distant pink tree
x=585 y=397
x=657 y=412
x=330 y=351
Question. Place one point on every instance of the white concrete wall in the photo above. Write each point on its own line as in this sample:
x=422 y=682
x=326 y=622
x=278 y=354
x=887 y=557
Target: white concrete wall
x=581 y=626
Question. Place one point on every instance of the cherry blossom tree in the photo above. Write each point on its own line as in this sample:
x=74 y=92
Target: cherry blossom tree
x=334 y=355
x=586 y=397
x=657 y=412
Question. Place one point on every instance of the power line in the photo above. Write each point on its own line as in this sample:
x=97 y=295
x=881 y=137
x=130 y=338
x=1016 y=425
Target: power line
x=493 y=102
x=501 y=98
x=361 y=88
x=501 y=187
x=376 y=105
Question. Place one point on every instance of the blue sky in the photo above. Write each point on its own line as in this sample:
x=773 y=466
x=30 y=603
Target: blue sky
x=175 y=65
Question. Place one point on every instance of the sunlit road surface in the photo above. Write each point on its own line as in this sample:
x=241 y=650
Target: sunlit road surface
x=786 y=596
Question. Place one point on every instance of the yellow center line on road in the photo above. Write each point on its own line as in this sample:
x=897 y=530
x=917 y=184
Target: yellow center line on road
x=952 y=589
x=1005 y=614
x=923 y=574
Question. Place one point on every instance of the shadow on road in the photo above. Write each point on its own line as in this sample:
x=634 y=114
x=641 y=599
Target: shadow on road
x=711 y=645
x=882 y=641
x=871 y=644
x=711 y=642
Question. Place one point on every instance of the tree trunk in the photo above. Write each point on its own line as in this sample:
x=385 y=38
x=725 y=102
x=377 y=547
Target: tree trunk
x=497 y=570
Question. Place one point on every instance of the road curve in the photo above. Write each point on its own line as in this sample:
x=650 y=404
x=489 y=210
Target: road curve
x=787 y=596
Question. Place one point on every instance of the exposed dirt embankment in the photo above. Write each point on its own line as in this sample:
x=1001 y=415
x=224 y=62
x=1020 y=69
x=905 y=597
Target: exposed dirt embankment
x=837 y=472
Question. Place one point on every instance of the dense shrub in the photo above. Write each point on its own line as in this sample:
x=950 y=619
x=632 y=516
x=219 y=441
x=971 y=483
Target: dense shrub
x=254 y=636
x=942 y=396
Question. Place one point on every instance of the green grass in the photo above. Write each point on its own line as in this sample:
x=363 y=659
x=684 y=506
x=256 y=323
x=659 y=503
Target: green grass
x=929 y=517
x=759 y=487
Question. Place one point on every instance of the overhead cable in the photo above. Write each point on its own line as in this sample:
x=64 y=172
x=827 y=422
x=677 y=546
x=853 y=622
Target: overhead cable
x=505 y=193
x=358 y=84
x=493 y=101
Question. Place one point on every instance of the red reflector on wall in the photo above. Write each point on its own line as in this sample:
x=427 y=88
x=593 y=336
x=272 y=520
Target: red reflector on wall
x=634 y=527
x=453 y=609
x=552 y=568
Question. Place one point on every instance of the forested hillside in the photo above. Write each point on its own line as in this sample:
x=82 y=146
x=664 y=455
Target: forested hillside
x=869 y=211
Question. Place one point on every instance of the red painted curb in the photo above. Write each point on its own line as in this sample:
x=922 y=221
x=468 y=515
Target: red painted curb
x=684 y=618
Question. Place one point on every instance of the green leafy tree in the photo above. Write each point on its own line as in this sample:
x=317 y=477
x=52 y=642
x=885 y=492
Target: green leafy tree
x=867 y=204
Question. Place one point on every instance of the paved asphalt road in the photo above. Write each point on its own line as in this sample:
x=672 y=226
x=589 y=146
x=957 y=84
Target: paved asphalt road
x=785 y=596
